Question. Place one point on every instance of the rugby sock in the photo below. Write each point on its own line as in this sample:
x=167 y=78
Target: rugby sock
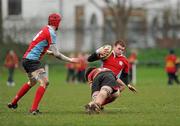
x=39 y=94
x=101 y=97
x=24 y=89
x=108 y=100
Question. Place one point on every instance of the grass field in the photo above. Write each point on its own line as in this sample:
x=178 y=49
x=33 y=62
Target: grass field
x=156 y=104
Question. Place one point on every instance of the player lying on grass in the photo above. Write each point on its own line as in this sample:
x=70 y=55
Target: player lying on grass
x=105 y=88
x=44 y=40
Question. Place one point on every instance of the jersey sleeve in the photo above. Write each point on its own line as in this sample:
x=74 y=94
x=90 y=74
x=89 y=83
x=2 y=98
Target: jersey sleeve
x=52 y=37
x=126 y=67
x=93 y=57
x=124 y=75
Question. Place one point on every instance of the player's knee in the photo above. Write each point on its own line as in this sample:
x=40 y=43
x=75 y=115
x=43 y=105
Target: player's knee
x=44 y=83
x=106 y=90
x=32 y=82
x=47 y=84
x=42 y=78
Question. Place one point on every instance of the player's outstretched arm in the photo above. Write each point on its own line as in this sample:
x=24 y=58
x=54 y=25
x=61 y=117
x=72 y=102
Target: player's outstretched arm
x=93 y=57
x=101 y=53
x=124 y=78
x=121 y=84
x=49 y=52
x=54 y=51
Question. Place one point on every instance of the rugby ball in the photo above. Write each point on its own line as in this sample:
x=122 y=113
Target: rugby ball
x=108 y=49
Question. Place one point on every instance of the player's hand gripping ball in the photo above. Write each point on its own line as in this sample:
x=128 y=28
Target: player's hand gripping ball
x=105 y=51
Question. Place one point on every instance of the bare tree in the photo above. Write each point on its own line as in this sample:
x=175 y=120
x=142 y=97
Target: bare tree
x=120 y=12
x=1 y=23
x=166 y=24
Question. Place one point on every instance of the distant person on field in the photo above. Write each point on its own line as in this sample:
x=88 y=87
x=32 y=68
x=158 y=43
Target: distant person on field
x=178 y=65
x=171 y=68
x=11 y=62
x=81 y=67
x=132 y=61
x=71 y=72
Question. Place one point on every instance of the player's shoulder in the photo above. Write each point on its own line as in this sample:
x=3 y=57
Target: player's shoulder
x=124 y=58
x=44 y=28
x=51 y=30
x=48 y=31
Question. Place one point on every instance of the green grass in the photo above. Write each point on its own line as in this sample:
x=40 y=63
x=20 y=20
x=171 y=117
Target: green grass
x=156 y=104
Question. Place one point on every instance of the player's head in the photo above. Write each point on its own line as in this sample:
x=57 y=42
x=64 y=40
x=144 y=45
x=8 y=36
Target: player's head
x=88 y=71
x=171 y=51
x=54 y=20
x=119 y=47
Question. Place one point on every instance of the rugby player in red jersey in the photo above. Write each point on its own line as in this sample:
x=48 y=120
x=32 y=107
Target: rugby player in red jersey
x=116 y=62
x=104 y=87
x=44 y=41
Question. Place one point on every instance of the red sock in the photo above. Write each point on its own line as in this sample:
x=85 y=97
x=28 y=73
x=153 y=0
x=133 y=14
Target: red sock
x=24 y=89
x=39 y=94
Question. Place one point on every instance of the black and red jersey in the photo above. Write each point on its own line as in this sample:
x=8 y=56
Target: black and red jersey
x=116 y=63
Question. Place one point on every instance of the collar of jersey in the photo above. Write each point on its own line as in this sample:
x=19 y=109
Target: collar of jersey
x=50 y=28
x=114 y=54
